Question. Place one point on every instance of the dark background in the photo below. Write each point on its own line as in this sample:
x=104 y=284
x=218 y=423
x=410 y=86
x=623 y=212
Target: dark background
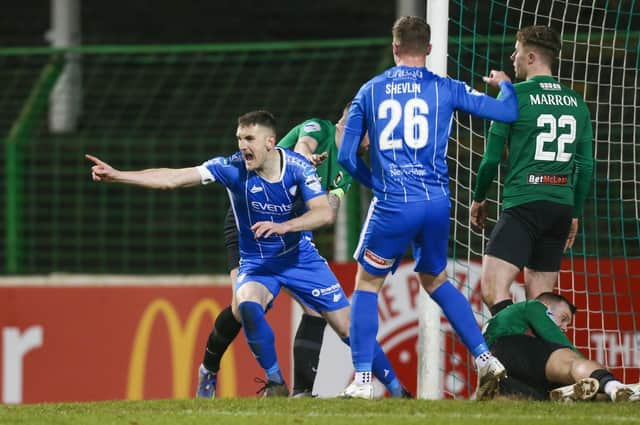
x=150 y=109
x=26 y=22
x=177 y=106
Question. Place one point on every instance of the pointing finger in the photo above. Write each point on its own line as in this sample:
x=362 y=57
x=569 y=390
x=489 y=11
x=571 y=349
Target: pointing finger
x=94 y=159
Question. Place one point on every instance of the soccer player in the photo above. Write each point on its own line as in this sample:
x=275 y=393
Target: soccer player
x=317 y=140
x=407 y=111
x=528 y=338
x=550 y=170
x=263 y=182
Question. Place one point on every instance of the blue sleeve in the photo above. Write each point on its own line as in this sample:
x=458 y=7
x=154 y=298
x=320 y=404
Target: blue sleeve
x=354 y=130
x=224 y=169
x=504 y=109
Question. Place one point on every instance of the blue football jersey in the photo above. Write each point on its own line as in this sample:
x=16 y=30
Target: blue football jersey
x=255 y=199
x=408 y=112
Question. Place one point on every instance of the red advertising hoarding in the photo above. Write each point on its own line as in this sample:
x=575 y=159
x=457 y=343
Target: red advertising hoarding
x=127 y=341
x=606 y=327
x=121 y=342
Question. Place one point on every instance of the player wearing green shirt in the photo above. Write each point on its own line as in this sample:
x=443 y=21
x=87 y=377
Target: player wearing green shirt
x=531 y=316
x=316 y=139
x=551 y=136
x=528 y=338
x=550 y=167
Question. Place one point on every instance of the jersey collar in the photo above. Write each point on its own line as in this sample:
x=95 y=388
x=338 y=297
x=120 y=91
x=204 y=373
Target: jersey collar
x=283 y=168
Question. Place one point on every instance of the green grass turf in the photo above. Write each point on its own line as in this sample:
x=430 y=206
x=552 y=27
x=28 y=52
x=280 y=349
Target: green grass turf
x=252 y=411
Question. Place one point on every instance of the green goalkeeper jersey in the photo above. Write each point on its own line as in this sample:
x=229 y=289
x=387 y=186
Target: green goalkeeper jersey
x=527 y=317
x=332 y=175
x=549 y=147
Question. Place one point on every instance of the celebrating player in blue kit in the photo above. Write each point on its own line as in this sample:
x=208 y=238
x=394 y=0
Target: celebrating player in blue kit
x=408 y=111
x=317 y=140
x=276 y=248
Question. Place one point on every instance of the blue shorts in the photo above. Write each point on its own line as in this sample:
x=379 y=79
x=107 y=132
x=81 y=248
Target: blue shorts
x=304 y=273
x=391 y=226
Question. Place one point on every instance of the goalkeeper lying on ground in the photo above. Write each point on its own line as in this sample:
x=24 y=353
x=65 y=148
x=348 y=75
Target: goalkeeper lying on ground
x=541 y=362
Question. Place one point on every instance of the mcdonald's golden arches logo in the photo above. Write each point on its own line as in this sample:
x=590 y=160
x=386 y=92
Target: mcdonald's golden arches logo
x=182 y=340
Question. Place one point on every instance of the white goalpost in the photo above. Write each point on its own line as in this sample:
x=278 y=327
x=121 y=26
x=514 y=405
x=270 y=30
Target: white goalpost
x=600 y=60
x=429 y=341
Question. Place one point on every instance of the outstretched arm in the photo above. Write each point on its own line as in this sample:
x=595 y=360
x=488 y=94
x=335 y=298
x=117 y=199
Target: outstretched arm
x=306 y=146
x=154 y=178
x=504 y=108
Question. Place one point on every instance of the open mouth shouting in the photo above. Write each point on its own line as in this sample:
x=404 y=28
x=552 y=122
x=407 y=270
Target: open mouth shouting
x=249 y=159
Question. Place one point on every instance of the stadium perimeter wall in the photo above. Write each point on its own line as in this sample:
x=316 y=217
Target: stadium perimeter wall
x=82 y=338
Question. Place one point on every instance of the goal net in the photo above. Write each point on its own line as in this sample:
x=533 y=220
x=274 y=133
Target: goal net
x=145 y=107
x=600 y=60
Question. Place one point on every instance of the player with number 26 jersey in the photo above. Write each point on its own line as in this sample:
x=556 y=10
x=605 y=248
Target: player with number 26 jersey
x=408 y=112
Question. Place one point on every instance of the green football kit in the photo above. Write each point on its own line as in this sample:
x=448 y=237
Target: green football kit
x=526 y=317
x=332 y=176
x=549 y=148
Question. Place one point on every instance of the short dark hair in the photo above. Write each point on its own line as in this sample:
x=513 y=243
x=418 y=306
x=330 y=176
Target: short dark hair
x=545 y=40
x=412 y=34
x=556 y=298
x=263 y=118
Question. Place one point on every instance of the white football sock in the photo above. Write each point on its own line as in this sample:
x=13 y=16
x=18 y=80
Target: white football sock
x=363 y=378
x=483 y=359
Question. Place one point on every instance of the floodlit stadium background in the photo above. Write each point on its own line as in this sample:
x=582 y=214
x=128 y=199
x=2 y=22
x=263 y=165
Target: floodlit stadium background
x=94 y=276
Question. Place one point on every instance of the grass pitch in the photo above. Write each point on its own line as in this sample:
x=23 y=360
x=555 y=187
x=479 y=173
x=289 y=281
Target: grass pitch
x=252 y=411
